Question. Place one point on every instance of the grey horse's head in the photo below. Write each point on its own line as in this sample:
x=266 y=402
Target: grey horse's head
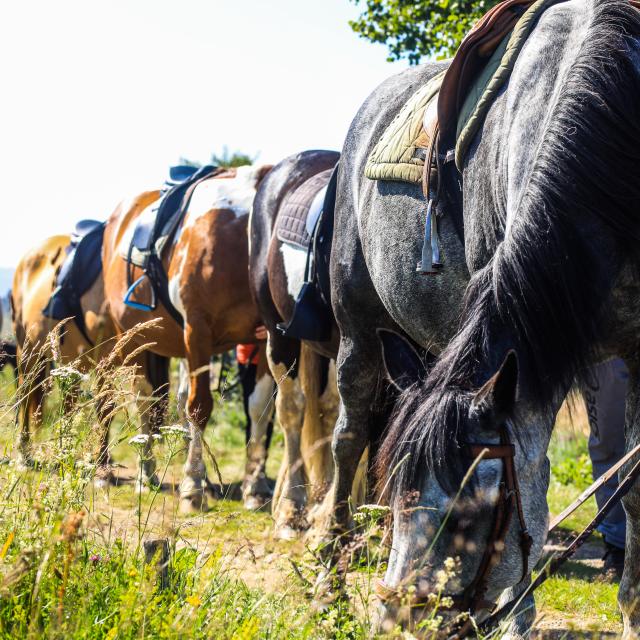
x=459 y=538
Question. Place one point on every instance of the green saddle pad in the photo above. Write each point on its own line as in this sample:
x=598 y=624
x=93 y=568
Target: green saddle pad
x=397 y=155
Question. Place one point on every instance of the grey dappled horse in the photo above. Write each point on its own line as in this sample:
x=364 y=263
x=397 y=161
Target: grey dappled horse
x=545 y=283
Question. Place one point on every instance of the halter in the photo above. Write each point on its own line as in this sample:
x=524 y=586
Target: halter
x=472 y=599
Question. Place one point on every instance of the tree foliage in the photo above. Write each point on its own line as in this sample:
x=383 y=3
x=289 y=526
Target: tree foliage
x=225 y=159
x=231 y=159
x=414 y=29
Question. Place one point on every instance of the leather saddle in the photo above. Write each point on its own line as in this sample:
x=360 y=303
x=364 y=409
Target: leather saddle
x=153 y=232
x=306 y=219
x=78 y=272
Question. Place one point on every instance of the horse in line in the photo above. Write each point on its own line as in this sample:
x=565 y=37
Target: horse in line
x=307 y=403
x=33 y=284
x=539 y=281
x=206 y=267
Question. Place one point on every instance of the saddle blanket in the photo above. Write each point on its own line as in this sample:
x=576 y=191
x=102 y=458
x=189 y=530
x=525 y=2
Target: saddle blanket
x=299 y=213
x=79 y=271
x=401 y=151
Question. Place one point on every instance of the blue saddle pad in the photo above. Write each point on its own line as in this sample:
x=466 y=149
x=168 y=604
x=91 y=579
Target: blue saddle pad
x=79 y=271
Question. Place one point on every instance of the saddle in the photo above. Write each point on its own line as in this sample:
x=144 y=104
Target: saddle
x=306 y=220
x=154 y=229
x=79 y=271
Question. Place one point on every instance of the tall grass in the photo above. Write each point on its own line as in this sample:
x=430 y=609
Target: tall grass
x=73 y=561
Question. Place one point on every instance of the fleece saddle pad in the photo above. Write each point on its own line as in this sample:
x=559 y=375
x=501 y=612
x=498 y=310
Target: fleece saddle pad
x=156 y=225
x=79 y=271
x=400 y=153
x=299 y=213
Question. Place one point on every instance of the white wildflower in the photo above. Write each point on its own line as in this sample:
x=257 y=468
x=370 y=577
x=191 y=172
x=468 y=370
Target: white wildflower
x=175 y=429
x=68 y=373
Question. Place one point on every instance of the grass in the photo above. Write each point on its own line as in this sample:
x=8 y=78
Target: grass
x=72 y=560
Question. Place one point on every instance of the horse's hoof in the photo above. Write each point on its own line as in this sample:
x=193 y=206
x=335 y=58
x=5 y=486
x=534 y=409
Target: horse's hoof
x=196 y=503
x=104 y=480
x=256 y=503
x=145 y=483
x=286 y=532
x=25 y=463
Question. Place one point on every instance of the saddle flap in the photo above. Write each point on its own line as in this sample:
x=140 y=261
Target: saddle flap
x=79 y=271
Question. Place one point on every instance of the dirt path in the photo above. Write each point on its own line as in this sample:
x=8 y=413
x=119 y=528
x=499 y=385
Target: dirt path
x=250 y=552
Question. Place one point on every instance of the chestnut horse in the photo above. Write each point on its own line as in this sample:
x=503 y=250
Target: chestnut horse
x=33 y=283
x=208 y=285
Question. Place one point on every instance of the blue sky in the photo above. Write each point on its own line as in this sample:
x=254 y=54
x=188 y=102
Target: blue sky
x=99 y=98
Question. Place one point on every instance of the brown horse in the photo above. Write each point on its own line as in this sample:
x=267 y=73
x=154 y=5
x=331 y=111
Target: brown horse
x=206 y=266
x=33 y=283
x=307 y=400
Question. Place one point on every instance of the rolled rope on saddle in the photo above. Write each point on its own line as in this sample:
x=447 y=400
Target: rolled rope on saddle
x=463 y=94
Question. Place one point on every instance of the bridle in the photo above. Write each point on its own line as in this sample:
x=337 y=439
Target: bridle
x=472 y=599
x=509 y=500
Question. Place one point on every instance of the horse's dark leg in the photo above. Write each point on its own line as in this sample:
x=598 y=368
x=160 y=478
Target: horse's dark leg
x=104 y=411
x=629 y=593
x=259 y=408
x=147 y=472
x=358 y=363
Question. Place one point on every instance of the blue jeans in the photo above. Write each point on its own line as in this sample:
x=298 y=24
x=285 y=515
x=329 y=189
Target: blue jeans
x=605 y=399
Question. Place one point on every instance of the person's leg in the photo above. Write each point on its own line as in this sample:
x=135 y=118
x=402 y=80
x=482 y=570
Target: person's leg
x=605 y=400
x=247 y=373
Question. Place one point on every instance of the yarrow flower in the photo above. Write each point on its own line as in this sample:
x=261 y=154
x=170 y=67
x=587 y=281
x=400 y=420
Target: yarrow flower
x=175 y=429
x=68 y=373
x=370 y=512
x=140 y=439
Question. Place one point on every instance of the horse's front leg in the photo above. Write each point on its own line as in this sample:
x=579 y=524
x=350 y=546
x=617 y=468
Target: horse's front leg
x=521 y=622
x=629 y=593
x=259 y=393
x=194 y=484
x=290 y=495
x=357 y=373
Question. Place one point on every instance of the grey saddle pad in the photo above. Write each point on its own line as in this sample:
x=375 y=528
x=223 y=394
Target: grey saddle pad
x=301 y=209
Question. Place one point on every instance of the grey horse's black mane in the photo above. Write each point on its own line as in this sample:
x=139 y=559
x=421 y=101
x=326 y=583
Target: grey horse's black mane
x=546 y=288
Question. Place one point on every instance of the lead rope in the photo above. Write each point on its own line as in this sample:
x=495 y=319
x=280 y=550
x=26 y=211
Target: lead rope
x=623 y=488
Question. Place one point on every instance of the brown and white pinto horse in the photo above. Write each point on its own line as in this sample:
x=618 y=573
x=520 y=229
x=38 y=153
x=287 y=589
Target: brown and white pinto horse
x=208 y=284
x=307 y=400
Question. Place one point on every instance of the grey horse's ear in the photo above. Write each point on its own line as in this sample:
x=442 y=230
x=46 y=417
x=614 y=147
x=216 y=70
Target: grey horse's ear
x=497 y=397
x=403 y=364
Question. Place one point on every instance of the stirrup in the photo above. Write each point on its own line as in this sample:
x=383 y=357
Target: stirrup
x=430 y=263
x=140 y=305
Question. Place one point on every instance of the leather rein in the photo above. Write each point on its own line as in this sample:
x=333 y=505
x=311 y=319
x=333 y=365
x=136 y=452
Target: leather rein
x=472 y=599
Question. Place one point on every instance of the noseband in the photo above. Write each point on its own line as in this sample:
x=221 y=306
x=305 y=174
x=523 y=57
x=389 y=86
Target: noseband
x=472 y=599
